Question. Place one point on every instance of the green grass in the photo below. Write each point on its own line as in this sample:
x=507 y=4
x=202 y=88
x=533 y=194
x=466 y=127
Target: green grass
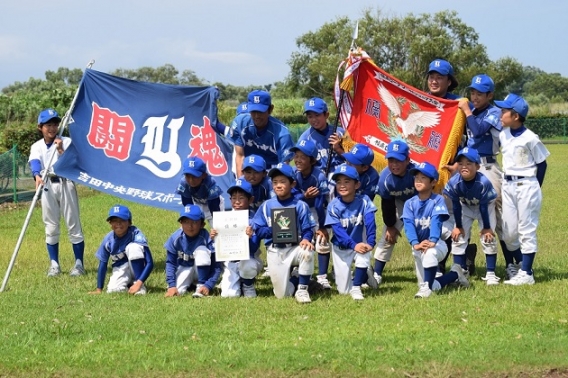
x=52 y=327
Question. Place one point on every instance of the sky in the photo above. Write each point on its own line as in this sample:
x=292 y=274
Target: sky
x=245 y=42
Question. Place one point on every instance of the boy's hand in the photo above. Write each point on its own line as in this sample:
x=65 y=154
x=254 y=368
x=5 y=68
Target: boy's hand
x=38 y=181
x=97 y=291
x=335 y=142
x=488 y=235
x=212 y=233
x=456 y=234
x=453 y=168
x=464 y=106
x=424 y=245
x=306 y=244
x=362 y=248
x=311 y=192
x=135 y=287
x=391 y=235
x=172 y=292
x=249 y=231
x=203 y=290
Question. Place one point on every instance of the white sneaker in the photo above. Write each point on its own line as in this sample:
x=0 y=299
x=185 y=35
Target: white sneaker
x=378 y=278
x=197 y=294
x=356 y=293
x=323 y=281
x=491 y=279
x=249 y=291
x=142 y=290
x=424 y=291
x=512 y=270
x=54 y=271
x=77 y=271
x=371 y=281
x=302 y=295
x=462 y=279
x=522 y=278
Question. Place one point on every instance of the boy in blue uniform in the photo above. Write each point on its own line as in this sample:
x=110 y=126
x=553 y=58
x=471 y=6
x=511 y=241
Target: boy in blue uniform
x=281 y=257
x=190 y=256
x=258 y=133
x=423 y=216
x=311 y=187
x=473 y=198
x=361 y=157
x=239 y=276
x=127 y=248
x=352 y=219
x=254 y=171
x=396 y=186
x=524 y=167
x=198 y=188
x=321 y=133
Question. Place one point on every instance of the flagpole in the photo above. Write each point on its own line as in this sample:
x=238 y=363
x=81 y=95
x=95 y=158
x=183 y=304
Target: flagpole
x=64 y=123
x=340 y=104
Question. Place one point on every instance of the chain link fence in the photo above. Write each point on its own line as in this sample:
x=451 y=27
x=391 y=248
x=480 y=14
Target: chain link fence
x=16 y=181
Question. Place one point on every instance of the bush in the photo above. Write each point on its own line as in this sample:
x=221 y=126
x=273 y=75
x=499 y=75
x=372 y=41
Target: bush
x=21 y=134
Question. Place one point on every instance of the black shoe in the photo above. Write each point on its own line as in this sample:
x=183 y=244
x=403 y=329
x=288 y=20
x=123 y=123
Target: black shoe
x=470 y=253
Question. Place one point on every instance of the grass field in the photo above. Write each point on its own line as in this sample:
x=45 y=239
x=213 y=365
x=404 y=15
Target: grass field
x=52 y=327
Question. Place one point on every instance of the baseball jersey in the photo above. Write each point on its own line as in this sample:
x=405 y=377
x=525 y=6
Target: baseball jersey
x=202 y=195
x=476 y=193
x=317 y=179
x=261 y=192
x=262 y=221
x=273 y=142
x=483 y=128
x=356 y=219
x=393 y=187
x=321 y=140
x=423 y=219
x=179 y=252
x=40 y=154
x=369 y=181
x=522 y=153
x=451 y=96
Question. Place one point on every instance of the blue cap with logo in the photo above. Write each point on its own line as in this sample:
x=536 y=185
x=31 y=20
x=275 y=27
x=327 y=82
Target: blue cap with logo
x=470 y=154
x=119 y=211
x=192 y=212
x=47 y=115
x=515 y=102
x=316 y=105
x=282 y=169
x=482 y=83
x=397 y=149
x=243 y=185
x=194 y=166
x=360 y=154
x=307 y=146
x=242 y=108
x=259 y=101
x=426 y=169
x=345 y=170
x=255 y=162
x=443 y=67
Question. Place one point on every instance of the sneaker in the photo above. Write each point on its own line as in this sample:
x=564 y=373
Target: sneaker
x=302 y=295
x=141 y=291
x=470 y=254
x=356 y=293
x=424 y=291
x=197 y=294
x=323 y=281
x=249 y=291
x=78 y=270
x=266 y=273
x=491 y=279
x=512 y=270
x=53 y=271
x=378 y=278
x=371 y=281
x=462 y=279
x=522 y=278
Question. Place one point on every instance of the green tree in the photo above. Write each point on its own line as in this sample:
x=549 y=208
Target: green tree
x=551 y=85
x=166 y=74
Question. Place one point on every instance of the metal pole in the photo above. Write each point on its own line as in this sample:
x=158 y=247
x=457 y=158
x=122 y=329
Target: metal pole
x=64 y=123
x=14 y=172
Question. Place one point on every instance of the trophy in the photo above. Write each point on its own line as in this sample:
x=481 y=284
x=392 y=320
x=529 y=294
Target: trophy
x=284 y=228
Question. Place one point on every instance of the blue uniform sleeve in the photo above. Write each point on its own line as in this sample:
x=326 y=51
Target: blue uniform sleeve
x=410 y=231
x=149 y=265
x=259 y=224
x=101 y=274
x=484 y=210
x=284 y=145
x=35 y=167
x=320 y=210
x=435 y=227
x=254 y=244
x=171 y=268
x=217 y=270
x=457 y=212
x=342 y=238
x=214 y=204
x=371 y=229
x=305 y=221
x=540 y=172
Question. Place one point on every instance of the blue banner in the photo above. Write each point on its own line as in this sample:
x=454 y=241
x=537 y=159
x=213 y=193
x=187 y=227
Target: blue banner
x=130 y=138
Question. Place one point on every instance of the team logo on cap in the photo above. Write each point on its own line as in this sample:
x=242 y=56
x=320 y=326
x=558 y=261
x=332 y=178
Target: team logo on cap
x=436 y=63
x=312 y=103
x=302 y=143
x=477 y=80
x=238 y=183
x=422 y=165
x=354 y=150
x=256 y=99
x=395 y=147
x=343 y=168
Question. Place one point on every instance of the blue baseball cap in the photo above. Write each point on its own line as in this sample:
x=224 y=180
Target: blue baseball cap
x=255 y=162
x=259 y=101
x=470 y=154
x=482 y=83
x=242 y=108
x=316 y=105
x=515 y=102
x=443 y=67
x=119 y=211
x=426 y=169
x=360 y=154
x=397 y=149
x=194 y=166
x=192 y=212
x=307 y=146
x=47 y=115
x=345 y=170
x=243 y=185
x=282 y=169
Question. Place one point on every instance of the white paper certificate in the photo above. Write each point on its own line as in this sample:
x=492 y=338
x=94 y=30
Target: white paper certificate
x=231 y=242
